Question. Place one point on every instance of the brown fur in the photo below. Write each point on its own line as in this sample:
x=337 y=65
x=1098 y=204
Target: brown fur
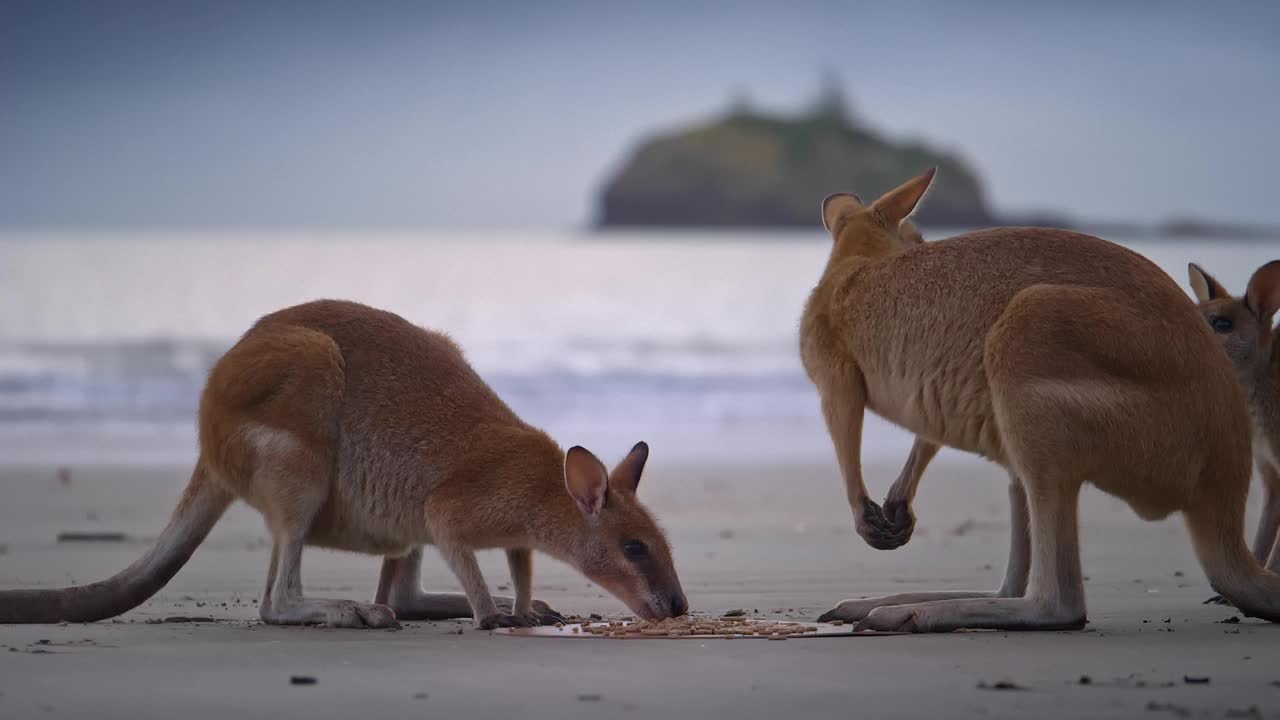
x=350 y=428
x=1062 y=357
x=1247 y=334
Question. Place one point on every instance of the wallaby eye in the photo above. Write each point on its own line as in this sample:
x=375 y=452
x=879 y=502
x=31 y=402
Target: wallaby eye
x=634 y=550
x=1222 y=324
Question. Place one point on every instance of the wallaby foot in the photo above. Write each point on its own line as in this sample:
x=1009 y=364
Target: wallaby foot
x=993 y=613
x=454 y=606
x=859 y=608
x=330 y=613
x=400 y=588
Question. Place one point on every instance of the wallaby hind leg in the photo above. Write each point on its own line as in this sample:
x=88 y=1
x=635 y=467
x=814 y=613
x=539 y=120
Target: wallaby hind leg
x=286 y=605
x=1055 y=598
x=1266 y=544
x=296 y=486
x=1266 y=541
x=400 y=587
x=1015 y=575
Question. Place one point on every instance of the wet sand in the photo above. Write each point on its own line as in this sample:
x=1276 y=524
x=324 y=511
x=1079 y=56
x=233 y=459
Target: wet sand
x=774 y=538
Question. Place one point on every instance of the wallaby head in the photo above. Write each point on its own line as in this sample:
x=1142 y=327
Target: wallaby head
x=1243 y=325
x=621 y=548
x=878 y=229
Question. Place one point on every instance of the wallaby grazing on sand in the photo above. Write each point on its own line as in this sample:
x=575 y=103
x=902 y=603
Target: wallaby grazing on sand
x=1060 y=356
x=350 y=428
x=1244 y=327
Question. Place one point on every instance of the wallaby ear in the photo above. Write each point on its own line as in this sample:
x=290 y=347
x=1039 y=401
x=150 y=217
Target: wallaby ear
x=1263 y=295
x=626 y=476
x=837 y=206
x=895 y=205
x=1204 y=286
x=586 y=479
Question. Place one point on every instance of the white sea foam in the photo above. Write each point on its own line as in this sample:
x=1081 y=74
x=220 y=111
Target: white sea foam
x=692 y=336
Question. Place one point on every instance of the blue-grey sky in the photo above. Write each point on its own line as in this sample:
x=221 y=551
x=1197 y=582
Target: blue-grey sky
x=510 y=114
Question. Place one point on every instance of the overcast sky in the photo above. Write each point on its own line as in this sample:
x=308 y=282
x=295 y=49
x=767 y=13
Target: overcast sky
x=488 y=114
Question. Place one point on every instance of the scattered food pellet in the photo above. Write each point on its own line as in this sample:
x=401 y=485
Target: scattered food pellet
x=696 y=626
x=1193 y=680
x=588 y=697
x=302 y=680
x=738 y=612
x=91 y=537
x=1000 y=685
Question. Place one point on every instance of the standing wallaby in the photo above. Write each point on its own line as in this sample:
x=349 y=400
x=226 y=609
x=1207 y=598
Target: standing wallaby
x=1062 y=357
x=350 y=428
x=1244 y=327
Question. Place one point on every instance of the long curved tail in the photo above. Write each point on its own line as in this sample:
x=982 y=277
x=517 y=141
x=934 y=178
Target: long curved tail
x=1217 y=533
x=201 y=506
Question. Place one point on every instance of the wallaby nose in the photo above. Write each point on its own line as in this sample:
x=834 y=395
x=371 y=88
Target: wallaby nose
x=679 y=605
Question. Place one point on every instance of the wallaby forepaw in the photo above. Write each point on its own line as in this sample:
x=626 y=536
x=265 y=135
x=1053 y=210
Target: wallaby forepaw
x=902 y=521
x=880 y=531
x=541 y=611
x=1216 y=600
x=500 y=620
x=544 y=615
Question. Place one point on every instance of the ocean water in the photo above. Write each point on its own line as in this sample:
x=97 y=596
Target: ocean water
x=687 y=340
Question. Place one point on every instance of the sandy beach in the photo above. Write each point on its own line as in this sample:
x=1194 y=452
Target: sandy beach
x=777 y=539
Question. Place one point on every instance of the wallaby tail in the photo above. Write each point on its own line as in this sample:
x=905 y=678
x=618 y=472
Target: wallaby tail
x=1217 y=533
x=200 y=508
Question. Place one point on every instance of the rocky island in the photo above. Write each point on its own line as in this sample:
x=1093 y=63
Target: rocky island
x=754 y=169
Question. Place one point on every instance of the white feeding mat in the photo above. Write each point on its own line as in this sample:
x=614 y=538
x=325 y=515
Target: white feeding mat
x=700 y=628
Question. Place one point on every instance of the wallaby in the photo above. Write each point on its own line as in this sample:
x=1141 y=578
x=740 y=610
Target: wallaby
x=348 y=427
x=1060 y=356
x=1244 y=327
